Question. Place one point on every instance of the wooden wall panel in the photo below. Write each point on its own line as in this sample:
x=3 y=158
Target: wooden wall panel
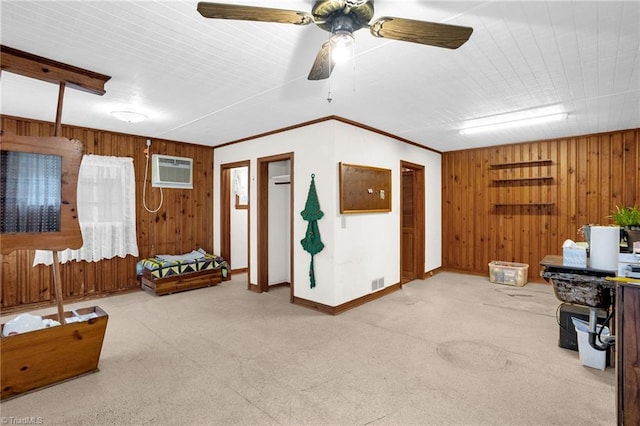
x=591 y=175
x=183 y=223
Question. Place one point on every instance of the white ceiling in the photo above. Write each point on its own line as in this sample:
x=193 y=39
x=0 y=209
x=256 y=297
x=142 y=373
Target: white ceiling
x=211 y=81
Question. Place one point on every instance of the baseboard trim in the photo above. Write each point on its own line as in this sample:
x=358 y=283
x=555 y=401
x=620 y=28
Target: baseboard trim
x=336 y=310
x=316 y=306
x=256 y=289
x=429 y=274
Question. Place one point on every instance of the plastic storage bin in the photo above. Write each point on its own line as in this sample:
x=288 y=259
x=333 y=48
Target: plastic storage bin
x=509 y=273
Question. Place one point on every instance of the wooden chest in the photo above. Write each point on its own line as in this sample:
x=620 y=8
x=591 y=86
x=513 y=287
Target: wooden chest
x=181 y=282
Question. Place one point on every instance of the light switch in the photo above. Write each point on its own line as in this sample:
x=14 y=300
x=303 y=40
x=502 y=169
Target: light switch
x=382 y=194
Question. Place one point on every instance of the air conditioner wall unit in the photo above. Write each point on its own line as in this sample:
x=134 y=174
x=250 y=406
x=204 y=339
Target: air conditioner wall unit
x=171 y=172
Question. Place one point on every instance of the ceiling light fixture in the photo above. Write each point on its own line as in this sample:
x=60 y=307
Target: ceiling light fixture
x=342 y=42
x=129 y=116
x=341 y=45
x=515 y=122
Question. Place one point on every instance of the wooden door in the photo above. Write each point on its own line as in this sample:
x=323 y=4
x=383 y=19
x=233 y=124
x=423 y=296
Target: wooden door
x=412 y=222
x=408 y=227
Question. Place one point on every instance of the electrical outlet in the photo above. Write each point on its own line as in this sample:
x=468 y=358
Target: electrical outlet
x=382 y=194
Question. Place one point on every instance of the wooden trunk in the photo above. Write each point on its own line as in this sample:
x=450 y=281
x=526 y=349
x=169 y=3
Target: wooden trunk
x=44 y=357
x=175 y=283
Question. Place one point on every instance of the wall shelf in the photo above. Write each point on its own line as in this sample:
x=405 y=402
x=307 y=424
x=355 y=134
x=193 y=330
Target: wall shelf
x=523 y=179
x=524 y=204
x=521 y=182
x=520 y=164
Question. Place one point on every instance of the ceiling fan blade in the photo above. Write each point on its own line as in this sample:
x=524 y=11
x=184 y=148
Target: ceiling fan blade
x=430 y=33
x=253 y=13
x=323 y=65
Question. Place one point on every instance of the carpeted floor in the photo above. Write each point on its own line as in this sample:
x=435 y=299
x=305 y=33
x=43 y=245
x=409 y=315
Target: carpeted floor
x=450 y=350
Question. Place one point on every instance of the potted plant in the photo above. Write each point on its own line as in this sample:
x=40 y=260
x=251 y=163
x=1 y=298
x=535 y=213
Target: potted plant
x=628 y=219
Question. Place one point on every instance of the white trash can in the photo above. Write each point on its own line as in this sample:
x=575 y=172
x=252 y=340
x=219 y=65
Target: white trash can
x=589 y=357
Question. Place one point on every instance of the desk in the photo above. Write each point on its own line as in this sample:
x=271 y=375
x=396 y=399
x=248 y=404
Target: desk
x=588 y=286
x=628 y=353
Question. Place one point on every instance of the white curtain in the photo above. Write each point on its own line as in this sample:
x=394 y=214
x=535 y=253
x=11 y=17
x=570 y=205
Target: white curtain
x=106 y=211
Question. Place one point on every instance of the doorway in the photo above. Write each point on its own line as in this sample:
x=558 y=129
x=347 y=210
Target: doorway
x=412 y=222
x=275 y=222
x=234 y=216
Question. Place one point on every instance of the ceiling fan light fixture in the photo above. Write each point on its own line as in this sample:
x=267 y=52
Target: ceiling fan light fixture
x=129 y=116
x=334 y=16
x=341 y=46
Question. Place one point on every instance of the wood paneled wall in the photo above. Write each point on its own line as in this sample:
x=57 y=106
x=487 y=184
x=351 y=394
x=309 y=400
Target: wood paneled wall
x=590 y=175
x=494 y=209
x=183 y=223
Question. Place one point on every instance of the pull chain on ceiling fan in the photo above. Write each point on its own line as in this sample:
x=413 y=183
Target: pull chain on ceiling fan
x=342 y=18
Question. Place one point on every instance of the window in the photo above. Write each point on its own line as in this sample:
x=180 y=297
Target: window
x=30 y=192
x=106 y=211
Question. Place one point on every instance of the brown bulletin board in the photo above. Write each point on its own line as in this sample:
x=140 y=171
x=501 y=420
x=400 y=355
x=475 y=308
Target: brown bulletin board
x=364 y=189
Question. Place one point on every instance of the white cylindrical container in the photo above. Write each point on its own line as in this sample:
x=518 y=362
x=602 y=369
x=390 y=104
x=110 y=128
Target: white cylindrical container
x=605 y=247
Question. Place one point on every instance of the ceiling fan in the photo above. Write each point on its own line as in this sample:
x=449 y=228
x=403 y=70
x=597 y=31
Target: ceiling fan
x=341 y=18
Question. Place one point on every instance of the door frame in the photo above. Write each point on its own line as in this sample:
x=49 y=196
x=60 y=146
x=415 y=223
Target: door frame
x=225 y=213
x=419 y=214
x=263 y=221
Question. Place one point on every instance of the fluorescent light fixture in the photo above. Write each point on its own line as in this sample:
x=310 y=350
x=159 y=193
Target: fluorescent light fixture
x=129 y=116
x=509 y=121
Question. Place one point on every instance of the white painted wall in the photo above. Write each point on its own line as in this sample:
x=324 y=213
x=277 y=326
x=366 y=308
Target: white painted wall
x=358 y=247
x=239 y=223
